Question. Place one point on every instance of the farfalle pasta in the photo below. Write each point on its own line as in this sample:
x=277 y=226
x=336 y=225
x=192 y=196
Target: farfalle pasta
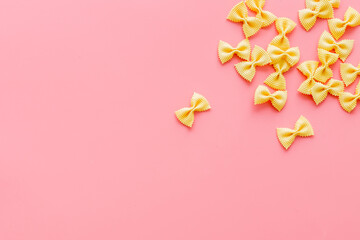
x=338 y=27
x=320 y=91
x=277 y=99
x=247 y=69
x=198 y=104
x=348 y=101
x=308 y=69
x=343 y=48
x=349 y=73
x=282 y=61
x=239 y=14
x=257 y=6
x=308 y=17
x=283 y=26
x=282 y=56
x=226 y=51
x=324 y=72
x=311 y=4
x=287 y=136
x=277 y=80
x=319 y=82
x=288 y=57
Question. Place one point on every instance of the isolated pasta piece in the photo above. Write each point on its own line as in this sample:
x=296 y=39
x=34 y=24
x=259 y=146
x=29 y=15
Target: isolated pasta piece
x=257 y=6
x=283 y=26
x=338 y=27
x=313 y=3
x=349 y=73
x=348 y=101
x=320 y=91
x=277 y=99
x=308 y=17
x=247 y=69
x=226 y=51
x=308 y=69
x=324 y=72
x=198 y=104
x=239 y=14
x=343 y=48
x=302 y=128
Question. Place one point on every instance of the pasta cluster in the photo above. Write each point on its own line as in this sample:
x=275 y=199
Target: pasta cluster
x=319 y=82
x=279 y=54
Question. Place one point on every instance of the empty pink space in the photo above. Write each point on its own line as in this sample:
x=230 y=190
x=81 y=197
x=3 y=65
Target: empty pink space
x=90 y=147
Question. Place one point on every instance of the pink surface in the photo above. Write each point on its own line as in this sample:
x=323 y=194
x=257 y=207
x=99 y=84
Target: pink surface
x=90 y=147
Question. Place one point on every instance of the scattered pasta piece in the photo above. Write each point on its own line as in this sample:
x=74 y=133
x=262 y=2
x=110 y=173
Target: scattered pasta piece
x=247 y=69
x=198 y=104
x=343 y=48
x=282 y=61
x=320 y=91
x=348 y=101
x=302 y=128
x=311 y=4
x=324 y=72
x=257 y=6
x=338 y=27
x=322 y=10
x=277 y=99
x=288 y=57
x=283 y=26
x=239 y=14
x=308 y=69
x=349 y=73
x=277 y=80
x=226 y=51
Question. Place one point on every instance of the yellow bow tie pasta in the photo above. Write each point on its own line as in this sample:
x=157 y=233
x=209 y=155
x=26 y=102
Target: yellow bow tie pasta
x=226 y=51
x=338 y=27
x=302 y=128
x=320 y=91
x=343 y=48
x=308 y=69
x=239 y=14
x=198 y=104
x=349 y=73
x=308 y=17
x=257 y=6
x=247 y=69
x=277 y=99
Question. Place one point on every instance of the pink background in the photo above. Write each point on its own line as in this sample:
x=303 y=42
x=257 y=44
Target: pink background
x=90 y=147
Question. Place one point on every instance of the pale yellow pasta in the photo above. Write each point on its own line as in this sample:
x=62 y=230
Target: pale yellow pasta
x=349 y=73
x=324 y=72
x=320 y=91
x=343 y=48
x=290 y=56
x=277 y=99
x=198 y=104
x=287 y=136
x=239 y=14
x=348 y=101
x=283 y=26
x=311 y=4
x=257 y=6
x=308 y=69
x=282 y=61
x=226 y=51
x=247 y=69
x=277 y=80
x=338 y=27
x=308 y=17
